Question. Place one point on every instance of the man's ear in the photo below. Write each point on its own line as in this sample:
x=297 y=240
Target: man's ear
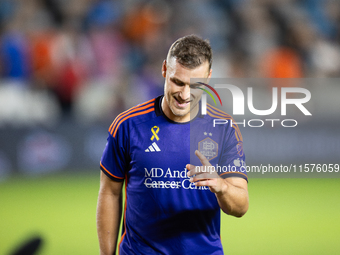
x=164 y=69
x=209 y=76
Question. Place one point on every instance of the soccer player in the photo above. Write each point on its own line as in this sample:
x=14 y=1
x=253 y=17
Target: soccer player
x=161 y=149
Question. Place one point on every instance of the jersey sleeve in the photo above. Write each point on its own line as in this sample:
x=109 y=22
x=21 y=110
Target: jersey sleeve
x=114 y=160
x=232 y=162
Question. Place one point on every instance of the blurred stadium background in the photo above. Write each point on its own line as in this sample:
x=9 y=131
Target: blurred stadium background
x=67 y=68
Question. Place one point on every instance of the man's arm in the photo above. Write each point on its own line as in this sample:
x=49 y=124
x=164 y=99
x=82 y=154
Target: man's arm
x=109 y=211
x=233 y=196
x=231 y=193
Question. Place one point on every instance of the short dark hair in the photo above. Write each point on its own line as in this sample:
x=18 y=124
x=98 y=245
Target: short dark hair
x=191 y=51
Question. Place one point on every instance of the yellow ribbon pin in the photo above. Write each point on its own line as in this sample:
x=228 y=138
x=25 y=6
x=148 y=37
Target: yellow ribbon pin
x=155 y=133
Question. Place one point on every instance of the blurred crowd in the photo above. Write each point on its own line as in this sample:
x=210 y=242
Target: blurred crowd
x=91 y=59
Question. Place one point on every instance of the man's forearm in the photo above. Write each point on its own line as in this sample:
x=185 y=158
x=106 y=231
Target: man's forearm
x=109 y=210
x=233 y=200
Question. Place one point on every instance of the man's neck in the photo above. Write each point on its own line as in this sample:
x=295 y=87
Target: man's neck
x=168 y=113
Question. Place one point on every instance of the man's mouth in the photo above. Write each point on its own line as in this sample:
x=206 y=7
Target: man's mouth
x=181 y=103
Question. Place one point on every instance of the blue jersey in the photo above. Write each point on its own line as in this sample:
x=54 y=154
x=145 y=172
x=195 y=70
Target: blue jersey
x=165 y=213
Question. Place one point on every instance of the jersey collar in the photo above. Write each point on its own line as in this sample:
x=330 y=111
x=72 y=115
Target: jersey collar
x=159 y=111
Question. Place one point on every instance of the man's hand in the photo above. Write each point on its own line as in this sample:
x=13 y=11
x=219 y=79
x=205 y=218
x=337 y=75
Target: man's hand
x=231 y=193
x=205 y=175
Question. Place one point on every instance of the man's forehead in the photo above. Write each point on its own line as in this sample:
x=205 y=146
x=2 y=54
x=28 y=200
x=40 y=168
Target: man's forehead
x=174 y=67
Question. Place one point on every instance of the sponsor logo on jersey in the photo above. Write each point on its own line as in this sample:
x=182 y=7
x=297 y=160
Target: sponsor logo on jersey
x=239 y=162
x=153 y=148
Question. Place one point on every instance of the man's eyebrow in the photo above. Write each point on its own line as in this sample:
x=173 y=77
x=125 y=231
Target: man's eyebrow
x=174 y=79
x=180 y=82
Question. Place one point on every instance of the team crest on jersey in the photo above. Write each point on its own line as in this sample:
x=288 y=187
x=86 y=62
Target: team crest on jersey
x=209 y=148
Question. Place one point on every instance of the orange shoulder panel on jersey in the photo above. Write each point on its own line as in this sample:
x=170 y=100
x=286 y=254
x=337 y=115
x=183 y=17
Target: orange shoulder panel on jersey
x=135 y=111
x=217 y=113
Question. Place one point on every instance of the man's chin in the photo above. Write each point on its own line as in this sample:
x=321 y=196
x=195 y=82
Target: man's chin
x=180 y=112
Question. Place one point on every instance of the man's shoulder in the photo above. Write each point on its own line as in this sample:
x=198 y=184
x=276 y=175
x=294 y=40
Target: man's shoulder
x=138 y=110
x=221 y=119
x=214 y=112
x=139 y=113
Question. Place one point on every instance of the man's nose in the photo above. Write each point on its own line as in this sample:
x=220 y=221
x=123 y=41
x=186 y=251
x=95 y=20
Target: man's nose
x=185 y=92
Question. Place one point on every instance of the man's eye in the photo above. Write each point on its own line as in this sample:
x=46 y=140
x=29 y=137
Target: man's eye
x=179 y=83
x=196 y=86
